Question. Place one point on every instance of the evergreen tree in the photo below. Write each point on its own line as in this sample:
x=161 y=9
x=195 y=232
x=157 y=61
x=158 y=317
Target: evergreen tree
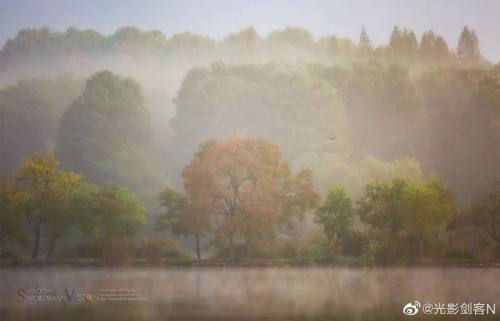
x=468 y=46
x=410 y=44
x=364 y=40
x=433 y=48
x=427 y=43
x=403 y=44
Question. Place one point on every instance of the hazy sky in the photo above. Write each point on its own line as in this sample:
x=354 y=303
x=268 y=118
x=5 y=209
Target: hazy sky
x=218 y=17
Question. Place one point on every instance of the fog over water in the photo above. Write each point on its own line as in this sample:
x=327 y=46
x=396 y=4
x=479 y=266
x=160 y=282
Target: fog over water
x=252 y=292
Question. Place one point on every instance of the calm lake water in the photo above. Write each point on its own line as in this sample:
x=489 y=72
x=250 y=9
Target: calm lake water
x=241 y=293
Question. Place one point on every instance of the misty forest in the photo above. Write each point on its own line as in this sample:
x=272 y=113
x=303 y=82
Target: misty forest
x=138 y=148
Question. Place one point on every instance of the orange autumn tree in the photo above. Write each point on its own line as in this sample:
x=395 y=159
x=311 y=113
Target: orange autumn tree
x=246 y=189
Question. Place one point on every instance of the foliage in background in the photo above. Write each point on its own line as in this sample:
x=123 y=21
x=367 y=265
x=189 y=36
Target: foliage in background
x=104 y=134
x=29 y=117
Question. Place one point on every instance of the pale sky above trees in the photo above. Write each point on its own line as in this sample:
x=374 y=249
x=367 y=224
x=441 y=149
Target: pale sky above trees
x=219 y=17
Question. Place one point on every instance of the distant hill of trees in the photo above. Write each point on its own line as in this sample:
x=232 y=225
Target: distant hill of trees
x=76 y=48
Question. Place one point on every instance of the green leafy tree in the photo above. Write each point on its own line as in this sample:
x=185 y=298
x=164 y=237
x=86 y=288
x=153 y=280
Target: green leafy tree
x=45 y=198
x=105 y=134
x=428 y=207
x=110 y=218
x=485 y=215
x=108 y=212
x=181 y=217
x=382 y=205
x=85 y=207
x=10 y=222
x=119 y=212
x=29 y=117
x=336 y=215
x=409 y=210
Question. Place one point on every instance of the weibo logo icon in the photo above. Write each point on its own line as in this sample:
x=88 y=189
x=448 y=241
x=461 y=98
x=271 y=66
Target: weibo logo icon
x=411 y=308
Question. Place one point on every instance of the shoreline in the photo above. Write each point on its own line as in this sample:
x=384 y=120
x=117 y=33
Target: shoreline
x=238 y=263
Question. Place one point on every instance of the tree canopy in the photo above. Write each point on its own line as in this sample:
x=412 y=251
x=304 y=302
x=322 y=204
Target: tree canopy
x=29 y=117
x=415 y=211
x=105 y=133
x=44 y=197
x=248 y=190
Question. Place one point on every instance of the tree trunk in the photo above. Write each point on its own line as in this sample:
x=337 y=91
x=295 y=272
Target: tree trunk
x=36 y=244
x=52 y=245
x=247 y=248
x=231 y=248
x=421 y=252
x=4 y=247
x=198 y=247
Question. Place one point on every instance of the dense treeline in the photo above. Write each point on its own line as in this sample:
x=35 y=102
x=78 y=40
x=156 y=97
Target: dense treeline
x=403 y=45
x=44 y=52
x=447 y=119
x=284 y=146
x=243 y=197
